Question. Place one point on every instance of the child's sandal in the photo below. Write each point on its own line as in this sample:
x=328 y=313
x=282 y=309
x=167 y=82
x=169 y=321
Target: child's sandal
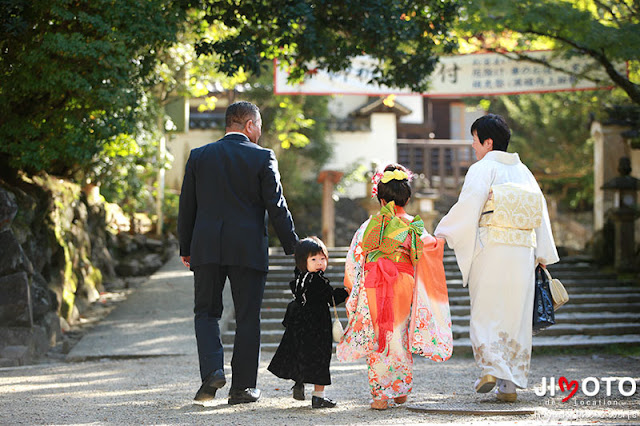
x=400 y=400
x=379 y=404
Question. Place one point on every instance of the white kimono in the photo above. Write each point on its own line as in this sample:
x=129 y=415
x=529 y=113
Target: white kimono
x=500 y=276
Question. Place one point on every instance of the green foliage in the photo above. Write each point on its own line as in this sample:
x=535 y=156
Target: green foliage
x=127 y=165
x=307 y=34
x=607 y=31
x=170 y=208
x=551 y=133
x=300 y=144
x=73 y=73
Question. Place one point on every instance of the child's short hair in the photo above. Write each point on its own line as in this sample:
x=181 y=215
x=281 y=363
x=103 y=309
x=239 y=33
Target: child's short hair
x=308 y=247
x=395 y=190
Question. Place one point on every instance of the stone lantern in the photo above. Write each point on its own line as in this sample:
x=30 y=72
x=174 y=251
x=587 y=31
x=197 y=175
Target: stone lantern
x=624 y=214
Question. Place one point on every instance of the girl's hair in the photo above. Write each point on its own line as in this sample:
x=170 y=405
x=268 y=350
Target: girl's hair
x=308 y=247
x=395 y=190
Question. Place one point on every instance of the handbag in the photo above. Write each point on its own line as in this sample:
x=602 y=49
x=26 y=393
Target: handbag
x=558 y=292
x=336 y=330
x=543 y=312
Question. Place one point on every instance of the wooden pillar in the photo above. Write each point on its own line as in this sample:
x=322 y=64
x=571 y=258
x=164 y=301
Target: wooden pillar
x=328 y=179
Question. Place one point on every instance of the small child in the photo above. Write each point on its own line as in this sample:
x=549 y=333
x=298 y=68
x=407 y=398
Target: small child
x=304 y=353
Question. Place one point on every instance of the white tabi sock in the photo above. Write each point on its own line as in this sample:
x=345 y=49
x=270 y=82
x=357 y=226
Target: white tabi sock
x=507 y=386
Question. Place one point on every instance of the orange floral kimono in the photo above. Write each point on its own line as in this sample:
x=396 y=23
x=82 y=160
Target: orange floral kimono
x=398 y=302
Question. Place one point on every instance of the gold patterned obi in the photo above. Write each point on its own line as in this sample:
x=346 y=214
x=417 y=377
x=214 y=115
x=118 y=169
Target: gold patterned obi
x=511 y=214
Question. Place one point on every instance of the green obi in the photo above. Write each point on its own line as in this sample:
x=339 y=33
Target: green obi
x=386 y=232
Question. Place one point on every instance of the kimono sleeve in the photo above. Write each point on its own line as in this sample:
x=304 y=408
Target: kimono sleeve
x=459 y=227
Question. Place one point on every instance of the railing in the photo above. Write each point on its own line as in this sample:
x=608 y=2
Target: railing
x=444 y=162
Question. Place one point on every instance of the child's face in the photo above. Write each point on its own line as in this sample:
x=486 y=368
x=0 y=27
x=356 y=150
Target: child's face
x=316 y=262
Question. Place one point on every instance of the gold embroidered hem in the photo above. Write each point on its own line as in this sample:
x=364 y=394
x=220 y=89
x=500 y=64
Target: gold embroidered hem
x=506 y=351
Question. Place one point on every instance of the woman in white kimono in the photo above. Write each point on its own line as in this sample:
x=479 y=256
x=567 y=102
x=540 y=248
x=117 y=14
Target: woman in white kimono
x=500 y=231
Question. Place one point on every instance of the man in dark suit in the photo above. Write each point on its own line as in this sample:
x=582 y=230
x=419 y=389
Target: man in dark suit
x=228 y=188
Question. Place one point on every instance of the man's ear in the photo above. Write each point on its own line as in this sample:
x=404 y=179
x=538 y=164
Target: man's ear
x=488 y=143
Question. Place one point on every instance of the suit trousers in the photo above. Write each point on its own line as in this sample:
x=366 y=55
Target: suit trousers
x=247 y=289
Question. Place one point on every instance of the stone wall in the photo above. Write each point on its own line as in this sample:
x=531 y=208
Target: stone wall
x=58 y=248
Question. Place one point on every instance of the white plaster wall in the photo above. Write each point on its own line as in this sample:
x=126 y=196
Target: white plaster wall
x=342 y=105
x=364 y=147
x=416 y=104
x=180 y=146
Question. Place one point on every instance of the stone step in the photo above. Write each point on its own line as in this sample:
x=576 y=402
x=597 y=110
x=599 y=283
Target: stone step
x=278 y=310
x=448 y=259
x=602 y=309
x=278 y=253
x=581 y=284
x=569 y=329
x=574 y=298
x=274 y=333
x=572 y=308
x=281 y=290
x=462 y=346
x=275 y=321
x=577 y=277
x=574 y=317
x=272 y=328
x=585 y=277
x=455 y=279
x=580 y=302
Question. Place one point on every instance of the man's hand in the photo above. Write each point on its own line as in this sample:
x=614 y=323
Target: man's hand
x=186 y=260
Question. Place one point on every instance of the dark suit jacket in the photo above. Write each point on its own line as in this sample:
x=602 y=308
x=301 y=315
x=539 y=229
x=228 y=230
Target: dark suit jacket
x=228 y=186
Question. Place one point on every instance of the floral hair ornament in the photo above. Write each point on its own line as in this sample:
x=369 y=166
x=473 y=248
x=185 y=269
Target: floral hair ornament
x=385 y=177
x=391 y=175
x=375 y=179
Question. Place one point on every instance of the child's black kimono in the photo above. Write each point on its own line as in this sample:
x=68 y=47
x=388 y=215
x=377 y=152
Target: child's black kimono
x=304 y=353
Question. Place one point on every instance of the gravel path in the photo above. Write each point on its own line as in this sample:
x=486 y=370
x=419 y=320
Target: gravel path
x=159 y=390
x=139 y=366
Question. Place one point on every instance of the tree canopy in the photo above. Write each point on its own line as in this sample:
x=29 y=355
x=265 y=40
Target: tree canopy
x=80 y=76
x=406 y=36
x=607 y=31
x=74 y=73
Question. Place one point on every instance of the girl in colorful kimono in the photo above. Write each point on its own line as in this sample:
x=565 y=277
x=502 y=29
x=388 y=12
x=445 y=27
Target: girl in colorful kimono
x=499 y=230
x=304 y=353
x=398 y=302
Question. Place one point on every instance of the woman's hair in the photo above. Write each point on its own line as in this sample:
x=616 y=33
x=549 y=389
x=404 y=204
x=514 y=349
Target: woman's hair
x=395 y=190
x=306 y=248
x=492 y=126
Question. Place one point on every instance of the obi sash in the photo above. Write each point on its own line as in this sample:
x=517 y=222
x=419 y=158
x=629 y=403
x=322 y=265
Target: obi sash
x=511 y=215
x=382 y=275
x=386 y=232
